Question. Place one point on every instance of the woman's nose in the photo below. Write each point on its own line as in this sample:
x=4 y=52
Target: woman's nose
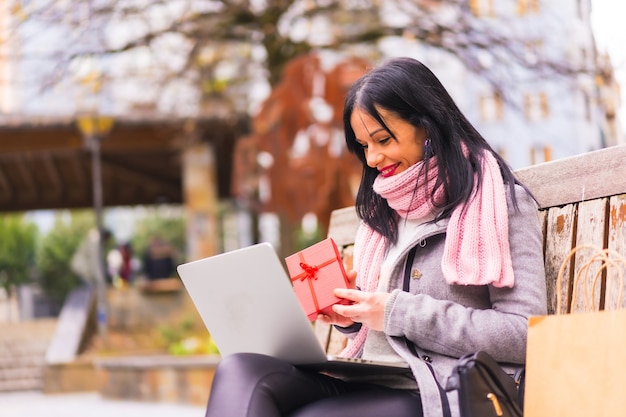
x=373 y=158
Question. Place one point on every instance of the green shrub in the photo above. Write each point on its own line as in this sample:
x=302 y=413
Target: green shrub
x=56 y=250
x=185 y=338
x=18 y=239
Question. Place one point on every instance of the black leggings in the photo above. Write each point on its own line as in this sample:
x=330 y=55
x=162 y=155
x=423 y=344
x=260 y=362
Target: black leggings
x=253 y=385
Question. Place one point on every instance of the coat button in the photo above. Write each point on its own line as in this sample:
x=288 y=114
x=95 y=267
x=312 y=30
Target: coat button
x=427 y=358
x=416 y=274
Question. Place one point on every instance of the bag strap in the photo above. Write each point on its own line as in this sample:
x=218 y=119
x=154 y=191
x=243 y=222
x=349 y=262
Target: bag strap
x=407 y=268
x=520 y=381
x=445 y=405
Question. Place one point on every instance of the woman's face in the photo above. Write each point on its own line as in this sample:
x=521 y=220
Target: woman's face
x=387 y=154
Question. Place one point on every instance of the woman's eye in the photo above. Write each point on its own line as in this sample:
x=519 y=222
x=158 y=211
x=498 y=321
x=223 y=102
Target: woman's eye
x=363 y=145
x=385 y=140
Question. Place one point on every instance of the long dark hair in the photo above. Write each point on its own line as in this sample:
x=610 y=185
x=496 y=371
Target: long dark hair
x=409 y=89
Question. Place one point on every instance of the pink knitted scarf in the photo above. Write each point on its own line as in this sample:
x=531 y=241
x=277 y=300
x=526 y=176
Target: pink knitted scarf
x=476 y=251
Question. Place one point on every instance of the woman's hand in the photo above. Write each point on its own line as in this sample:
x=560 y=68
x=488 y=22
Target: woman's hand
x=365 y=307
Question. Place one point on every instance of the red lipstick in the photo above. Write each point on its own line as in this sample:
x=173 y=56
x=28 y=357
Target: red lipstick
x=389 y=170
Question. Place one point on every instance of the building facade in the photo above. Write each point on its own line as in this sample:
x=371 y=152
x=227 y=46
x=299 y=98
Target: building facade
x=544 y=116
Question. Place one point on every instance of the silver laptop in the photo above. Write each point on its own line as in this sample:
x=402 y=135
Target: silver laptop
x=247 y=303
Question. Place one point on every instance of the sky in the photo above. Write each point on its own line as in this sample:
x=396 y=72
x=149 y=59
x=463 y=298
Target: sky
x=608 y=20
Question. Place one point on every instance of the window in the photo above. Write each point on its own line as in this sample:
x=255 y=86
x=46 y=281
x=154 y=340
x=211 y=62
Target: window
x=587 y=104
x=532 y=51
x=536 y=106
x=491 y=107
x=540 y=154
x=481 y=7
x=580 y=9
x=583 y=54
x=527 y=7
x=502 y=152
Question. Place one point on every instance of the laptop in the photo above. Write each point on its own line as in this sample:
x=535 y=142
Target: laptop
x=247 y=303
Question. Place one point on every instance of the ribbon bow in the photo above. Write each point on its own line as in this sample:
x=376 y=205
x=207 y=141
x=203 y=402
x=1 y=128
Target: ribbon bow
x=310 y=271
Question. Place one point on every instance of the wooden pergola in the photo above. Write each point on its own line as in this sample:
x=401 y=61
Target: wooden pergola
x=47 y=163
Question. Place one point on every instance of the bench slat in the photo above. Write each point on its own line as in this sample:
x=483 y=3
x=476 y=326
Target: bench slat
x=617 y=242
x=591 y=225
x=331 y=340
x=322 y=332
x=343 y=225
x=560 y=227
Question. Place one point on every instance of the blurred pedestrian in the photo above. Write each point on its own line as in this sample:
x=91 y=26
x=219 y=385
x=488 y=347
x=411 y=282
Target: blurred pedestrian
x=88 y=260
x=120 y=263
x=158 y=260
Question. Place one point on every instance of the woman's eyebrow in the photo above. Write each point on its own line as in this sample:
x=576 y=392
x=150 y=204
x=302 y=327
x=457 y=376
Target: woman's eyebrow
x=380 y=129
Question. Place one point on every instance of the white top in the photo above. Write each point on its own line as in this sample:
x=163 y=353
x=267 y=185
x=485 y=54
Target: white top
x=376 y=346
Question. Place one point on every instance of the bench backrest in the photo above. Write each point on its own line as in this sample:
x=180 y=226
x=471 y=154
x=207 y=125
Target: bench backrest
x=582 y=201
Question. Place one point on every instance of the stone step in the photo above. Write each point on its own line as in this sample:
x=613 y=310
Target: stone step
x=20 y=373
x=34 y=329
x=23 y=347
x=21 y=385
x=25 y=377
x=25 y=361
x=159 y=378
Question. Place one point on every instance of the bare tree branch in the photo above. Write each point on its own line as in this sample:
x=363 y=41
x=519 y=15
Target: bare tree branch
x=488 y=46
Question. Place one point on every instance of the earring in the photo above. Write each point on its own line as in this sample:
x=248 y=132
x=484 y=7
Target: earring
x=426 y=148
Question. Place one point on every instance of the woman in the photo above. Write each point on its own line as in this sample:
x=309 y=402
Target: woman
x=448 y=261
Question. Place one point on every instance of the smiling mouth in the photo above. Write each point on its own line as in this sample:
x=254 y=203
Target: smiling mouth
x=389 y=170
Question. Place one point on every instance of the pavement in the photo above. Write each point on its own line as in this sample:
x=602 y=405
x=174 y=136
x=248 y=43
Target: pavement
x=91 y=404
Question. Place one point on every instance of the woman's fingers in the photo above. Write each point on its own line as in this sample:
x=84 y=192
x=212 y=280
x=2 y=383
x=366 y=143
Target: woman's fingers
x=351 y=310
x=351 y=275
x=366 y=307
x=335 y=319
x=348 y=294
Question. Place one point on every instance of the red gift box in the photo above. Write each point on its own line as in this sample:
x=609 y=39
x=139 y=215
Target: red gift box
x=315 y=272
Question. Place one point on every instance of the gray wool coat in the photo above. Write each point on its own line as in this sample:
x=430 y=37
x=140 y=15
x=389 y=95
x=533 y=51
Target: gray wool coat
x=445 y=322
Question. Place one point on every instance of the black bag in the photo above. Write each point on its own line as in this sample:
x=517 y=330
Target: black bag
x=485 y=389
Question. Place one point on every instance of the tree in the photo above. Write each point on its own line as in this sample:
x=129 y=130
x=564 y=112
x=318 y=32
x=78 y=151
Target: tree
x=18 y=240
x=219 y=46
x=305 y=165
x=55 y=253
x=217 y=53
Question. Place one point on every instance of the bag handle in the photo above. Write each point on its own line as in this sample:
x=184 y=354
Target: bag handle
x=610 y=260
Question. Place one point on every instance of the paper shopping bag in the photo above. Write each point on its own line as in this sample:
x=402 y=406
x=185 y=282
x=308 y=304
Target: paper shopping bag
x=576 y=363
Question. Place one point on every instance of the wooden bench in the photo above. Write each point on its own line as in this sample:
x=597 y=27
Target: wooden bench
x=582 y=201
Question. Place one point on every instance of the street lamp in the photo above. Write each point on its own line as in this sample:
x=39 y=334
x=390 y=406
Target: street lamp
x=95 y=128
